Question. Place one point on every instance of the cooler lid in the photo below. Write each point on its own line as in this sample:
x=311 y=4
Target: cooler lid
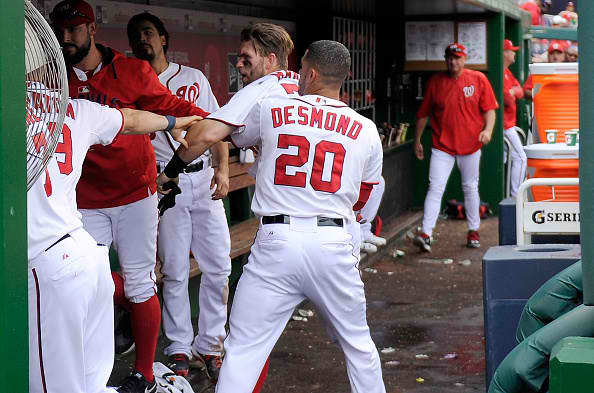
x=553 y=68
x=552 y=151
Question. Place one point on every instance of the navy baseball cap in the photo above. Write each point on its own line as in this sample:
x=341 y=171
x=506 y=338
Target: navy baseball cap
x=72 y=13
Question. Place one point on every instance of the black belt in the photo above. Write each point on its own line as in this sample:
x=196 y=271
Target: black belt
x=284 y=219
x=66 y=236
x=189 y=169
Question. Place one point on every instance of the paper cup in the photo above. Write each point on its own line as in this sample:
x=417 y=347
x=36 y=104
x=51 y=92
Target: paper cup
x=570 y=138
x=551 y=136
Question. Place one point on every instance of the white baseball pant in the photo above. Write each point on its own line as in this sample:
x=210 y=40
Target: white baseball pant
x=133 y=230
x=518 y=160
x=289 y=263
x=71 y=346
x=369 y=211
x=440 y=168
x=196 y=223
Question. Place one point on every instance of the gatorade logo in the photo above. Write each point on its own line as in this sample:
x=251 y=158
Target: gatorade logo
x=468 y=91
x=540 y=217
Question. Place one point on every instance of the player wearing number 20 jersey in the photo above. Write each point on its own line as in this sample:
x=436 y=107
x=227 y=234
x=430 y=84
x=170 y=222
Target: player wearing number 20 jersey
x=311 y=147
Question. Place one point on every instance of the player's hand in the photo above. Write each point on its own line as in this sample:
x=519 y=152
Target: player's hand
x=485 y=137
x=517 y=91
x=419 y=150
x=162 y=179
x=220 y=180
x=181 y=124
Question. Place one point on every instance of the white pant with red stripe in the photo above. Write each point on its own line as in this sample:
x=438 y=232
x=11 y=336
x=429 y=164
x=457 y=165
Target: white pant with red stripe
x=440 y=168
x=133 y=230
x=196 y=223
x=289 y=263
x=518 y=160
x=71 y=346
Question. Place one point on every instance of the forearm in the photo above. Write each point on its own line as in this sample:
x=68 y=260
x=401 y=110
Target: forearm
x=142 y=122
x=220 y=156
x=420 y=126
x=201 y=136
x=489 y=117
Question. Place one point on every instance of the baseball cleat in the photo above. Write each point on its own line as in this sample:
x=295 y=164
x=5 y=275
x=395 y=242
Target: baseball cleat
x=137 y=383
x=423 y=241
x=123 y=339
x=473 y=239
x=179 y=363
x=375 y=240
x=368 y=248
x=213 y=365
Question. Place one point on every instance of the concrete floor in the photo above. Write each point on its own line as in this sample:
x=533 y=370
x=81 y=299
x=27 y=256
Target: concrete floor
x=416 y=304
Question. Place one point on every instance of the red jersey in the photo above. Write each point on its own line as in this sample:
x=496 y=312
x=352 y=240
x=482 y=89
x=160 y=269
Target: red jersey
x=534 y=10
x=124 y=171
x=509 y=100
x=457 y=107
x=528 y=84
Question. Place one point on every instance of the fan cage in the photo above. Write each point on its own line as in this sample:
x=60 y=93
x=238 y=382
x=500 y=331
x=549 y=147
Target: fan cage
x=46 y=86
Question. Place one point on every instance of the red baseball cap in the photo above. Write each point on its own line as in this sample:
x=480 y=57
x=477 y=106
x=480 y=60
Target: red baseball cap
x=72 y=13
x=557 y=45
x=508 y=45
x=455 y=49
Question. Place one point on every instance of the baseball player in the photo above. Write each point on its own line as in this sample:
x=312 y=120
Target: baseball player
x=318 y=162
x=70 y=286
x=462 y=106
x=197 y=222
x=116 y=193
x=512 y=91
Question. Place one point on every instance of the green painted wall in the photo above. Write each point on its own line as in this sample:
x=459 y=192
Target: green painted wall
x=13 y=214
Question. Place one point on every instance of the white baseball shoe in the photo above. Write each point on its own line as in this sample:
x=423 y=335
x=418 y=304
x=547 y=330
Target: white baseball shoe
x=375 y=240
x=368 y=248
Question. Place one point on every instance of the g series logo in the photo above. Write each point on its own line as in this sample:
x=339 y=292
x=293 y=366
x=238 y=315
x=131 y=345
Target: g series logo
x=540 y=217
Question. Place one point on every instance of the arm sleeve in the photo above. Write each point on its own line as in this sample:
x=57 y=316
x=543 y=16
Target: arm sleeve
x=426 y=105
x=155 y=97
x=372 y=171
x=237 y=110
x=528 y=83
x=487 y=101
x=105 y=122
x=249 y=133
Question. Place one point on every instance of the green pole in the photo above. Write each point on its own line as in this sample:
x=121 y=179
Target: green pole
x=586 y=68
x=491 y=186
x=13 y=201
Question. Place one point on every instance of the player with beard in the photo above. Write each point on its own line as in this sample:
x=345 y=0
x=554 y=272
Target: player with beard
x=116 y=192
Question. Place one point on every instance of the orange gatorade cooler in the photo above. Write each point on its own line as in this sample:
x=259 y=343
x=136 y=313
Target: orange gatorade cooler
x=555 y=98
x=553 y=160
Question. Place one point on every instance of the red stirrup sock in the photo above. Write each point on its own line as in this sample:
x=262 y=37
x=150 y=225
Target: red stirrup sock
x=119 y=298
x=146 y=321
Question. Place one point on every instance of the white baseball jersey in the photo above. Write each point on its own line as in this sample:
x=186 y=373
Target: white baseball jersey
x=312 y=147
x=86 y=123
x=191 y=85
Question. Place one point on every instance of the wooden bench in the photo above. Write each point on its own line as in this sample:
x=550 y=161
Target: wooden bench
x=243 y=233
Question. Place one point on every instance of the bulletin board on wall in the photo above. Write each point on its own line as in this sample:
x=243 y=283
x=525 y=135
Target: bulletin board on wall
x=203 y=40
x=425 y=43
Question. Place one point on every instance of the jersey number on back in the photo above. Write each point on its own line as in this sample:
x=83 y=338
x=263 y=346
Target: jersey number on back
x=299 y=178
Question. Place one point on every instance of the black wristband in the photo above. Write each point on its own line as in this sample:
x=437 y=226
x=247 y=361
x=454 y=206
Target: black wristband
x=170 y=123
x=174 y=166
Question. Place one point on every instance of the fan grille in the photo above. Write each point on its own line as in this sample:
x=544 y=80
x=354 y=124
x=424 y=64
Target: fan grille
x=46 y=85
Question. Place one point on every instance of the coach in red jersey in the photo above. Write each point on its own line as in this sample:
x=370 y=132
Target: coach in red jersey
x=116 y=193
x=462 y=106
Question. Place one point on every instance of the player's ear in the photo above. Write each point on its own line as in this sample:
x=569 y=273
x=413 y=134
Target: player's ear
x=92 y=27
x=271 y=62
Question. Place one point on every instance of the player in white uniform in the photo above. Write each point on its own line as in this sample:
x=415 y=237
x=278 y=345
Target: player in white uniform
x=197 y=222
x=318 y=161
x=70 y=285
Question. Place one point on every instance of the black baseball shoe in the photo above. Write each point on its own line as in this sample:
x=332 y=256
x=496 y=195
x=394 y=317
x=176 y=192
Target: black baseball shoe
x=124 y=341
x=213 y=365
x=179 y=364
x=137 y=383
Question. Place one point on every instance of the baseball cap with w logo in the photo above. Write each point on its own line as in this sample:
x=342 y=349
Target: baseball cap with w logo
x=72 y=13
x=455 y=49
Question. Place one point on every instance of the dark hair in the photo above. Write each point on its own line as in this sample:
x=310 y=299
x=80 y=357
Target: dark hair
x=331 y=59
x=269 y=38
x=145 y=16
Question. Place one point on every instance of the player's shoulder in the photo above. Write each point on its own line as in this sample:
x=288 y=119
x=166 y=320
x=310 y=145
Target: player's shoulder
x=477 y=75
x=190 y=72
